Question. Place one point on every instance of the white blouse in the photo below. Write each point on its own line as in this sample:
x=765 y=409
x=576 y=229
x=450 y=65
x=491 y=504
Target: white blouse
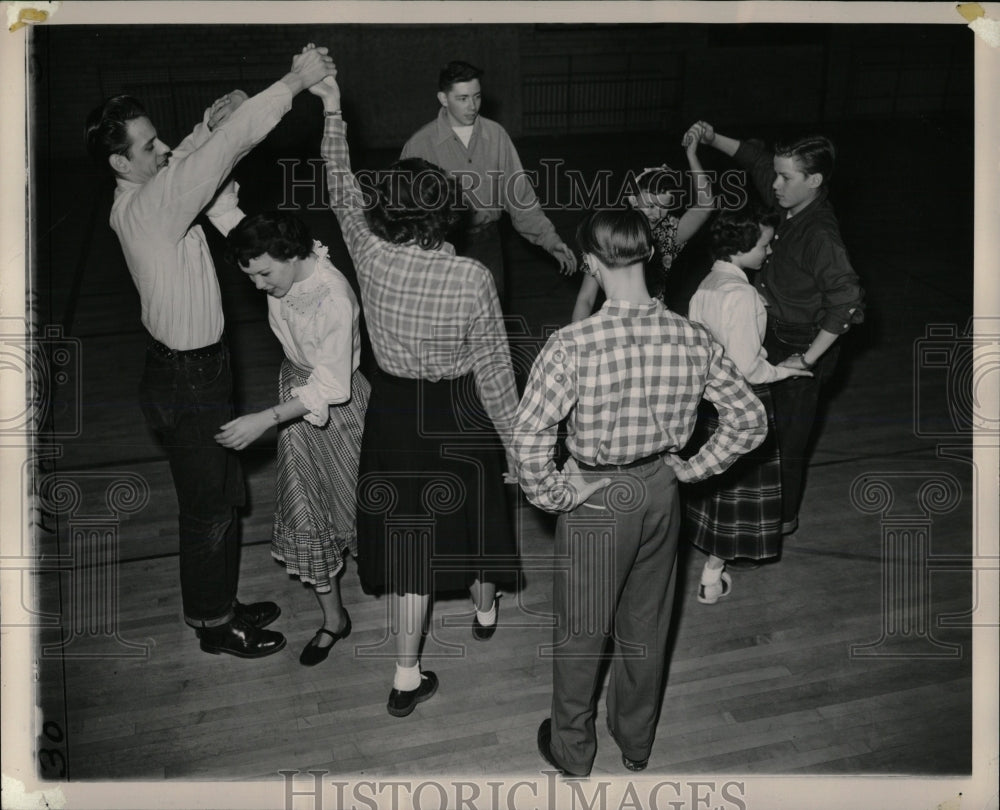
x=317 y=323
x=733 y=311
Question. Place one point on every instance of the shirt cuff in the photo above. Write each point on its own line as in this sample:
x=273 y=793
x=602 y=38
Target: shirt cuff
x=319 y=408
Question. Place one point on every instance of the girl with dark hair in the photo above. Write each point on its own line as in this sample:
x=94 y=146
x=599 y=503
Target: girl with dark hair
x=432 y=506
x=737 y=513
x=658 y=192
x=322 y=398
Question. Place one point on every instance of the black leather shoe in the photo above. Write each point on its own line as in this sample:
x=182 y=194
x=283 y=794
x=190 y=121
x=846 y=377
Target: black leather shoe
x=241 y=639
x=544 y=740
x=635 y=764
x=402 y=703
x=313 y=654
x=481 y=633
x=257 y=614
x=630 y=764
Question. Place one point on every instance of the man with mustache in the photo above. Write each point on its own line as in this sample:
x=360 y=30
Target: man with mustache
x=186 y=388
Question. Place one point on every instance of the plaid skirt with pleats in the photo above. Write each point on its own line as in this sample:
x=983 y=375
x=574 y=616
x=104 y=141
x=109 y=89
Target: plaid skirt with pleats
x=315 y=481
x=737 y=513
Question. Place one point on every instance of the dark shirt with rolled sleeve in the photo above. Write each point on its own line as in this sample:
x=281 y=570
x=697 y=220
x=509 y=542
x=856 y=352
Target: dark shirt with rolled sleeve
x=808 y=279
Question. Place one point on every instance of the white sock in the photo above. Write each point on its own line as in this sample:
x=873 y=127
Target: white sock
x=710 y=576
x=489 y=618
x=407 y=678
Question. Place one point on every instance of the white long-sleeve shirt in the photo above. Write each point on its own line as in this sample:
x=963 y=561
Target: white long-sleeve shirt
x=317 y=322
x=733 y=311
x=168 y=259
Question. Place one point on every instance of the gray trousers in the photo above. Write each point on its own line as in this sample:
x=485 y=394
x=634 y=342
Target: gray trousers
x=613 y=593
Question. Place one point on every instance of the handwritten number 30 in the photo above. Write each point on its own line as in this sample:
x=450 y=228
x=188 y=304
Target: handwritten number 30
x=52 y=759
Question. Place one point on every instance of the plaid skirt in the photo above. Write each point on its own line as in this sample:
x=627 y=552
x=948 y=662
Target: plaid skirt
x=314 y=508
x=737 y=513
x=432 y=504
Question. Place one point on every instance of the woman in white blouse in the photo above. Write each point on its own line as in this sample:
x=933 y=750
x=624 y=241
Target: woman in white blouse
x=737 y=514
x=322 y=399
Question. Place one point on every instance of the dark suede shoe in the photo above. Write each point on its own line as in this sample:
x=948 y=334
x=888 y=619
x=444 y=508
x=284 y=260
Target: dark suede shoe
x=314 y=654
x=240 y=639
x=544 y=740
x=402 y=703
x=480 y=633
x=257 y=614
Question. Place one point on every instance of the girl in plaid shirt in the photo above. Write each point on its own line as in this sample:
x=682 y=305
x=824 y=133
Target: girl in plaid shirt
x=432 y=511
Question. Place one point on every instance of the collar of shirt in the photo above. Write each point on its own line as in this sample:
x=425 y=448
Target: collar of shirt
x=122 y=185
x=810 y=209
x=446 y=133
x=620 y=308
x=730 y=269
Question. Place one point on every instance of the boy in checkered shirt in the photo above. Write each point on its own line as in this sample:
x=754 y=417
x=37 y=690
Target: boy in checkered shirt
x=628 y=381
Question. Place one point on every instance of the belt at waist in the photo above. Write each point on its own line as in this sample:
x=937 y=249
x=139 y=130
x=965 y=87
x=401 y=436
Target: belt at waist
x=204 y=353
x=618 y=467
x=415 y=381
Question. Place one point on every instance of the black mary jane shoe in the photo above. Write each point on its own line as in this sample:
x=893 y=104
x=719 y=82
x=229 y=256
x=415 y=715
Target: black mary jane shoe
x=403 y=703
x=313 y=654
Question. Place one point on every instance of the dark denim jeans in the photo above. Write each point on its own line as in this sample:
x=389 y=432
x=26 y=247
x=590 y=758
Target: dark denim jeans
x=185 y=400
x=796 y=400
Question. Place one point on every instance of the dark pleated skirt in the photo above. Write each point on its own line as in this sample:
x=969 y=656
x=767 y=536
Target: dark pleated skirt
x=432 y=505
x=737 y=513
x=317 y=468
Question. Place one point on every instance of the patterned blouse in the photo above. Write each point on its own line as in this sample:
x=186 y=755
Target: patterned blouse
x=667 y=248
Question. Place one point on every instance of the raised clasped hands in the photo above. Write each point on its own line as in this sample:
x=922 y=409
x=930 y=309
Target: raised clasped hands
x=698 y=132
x=326 y=89
x=313 y=65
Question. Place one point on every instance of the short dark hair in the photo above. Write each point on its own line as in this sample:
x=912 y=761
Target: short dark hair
x=106 y=130
x=280 y=235
x=735 y=232
x=815 y=153
x=617 y=237
x=456 y=72
x=414 y=201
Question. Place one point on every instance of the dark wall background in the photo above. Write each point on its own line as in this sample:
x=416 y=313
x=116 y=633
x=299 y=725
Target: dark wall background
x=897 y=100
x=540 y=79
